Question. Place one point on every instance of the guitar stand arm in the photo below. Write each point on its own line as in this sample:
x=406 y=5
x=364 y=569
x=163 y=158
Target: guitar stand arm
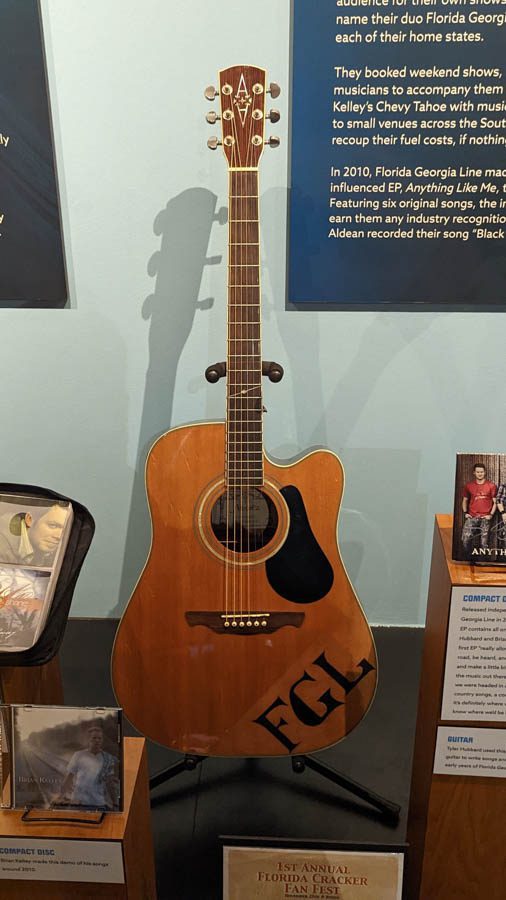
x=390 y=810
x=272 y=370
x=187 y=764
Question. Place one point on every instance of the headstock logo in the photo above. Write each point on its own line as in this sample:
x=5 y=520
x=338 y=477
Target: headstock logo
x=242 y=100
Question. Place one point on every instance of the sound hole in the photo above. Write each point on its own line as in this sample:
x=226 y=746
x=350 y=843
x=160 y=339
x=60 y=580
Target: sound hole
x=244 y=520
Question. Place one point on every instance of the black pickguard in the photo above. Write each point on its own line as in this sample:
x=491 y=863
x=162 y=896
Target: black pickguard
x=300 y=571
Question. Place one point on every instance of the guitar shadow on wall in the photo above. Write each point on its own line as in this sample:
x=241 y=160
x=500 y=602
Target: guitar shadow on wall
x=184 y=228
x=330 y=419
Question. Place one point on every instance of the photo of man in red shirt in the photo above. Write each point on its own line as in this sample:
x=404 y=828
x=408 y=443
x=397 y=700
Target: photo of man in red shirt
x=478 y=504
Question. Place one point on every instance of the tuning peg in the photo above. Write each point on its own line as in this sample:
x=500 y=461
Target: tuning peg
x=274 y=90
x=212 y=117
x=213 y=143
x=210 y=92
x=273 y=141
x=274 y=115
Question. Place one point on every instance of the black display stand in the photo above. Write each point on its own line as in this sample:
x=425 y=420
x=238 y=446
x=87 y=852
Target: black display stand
x=390 y=811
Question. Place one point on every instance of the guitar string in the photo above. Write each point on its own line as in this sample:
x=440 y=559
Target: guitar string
x=249 y=347
x=233 y=369
x=238 y=405
x=228 y=536
x=249 y=338
x=245 y=314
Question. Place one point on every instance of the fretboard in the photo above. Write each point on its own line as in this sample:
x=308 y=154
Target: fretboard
x=244 y=444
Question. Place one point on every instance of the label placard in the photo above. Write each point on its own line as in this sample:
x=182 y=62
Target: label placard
x=31 y=247
x=272 y=874
x=470 y=751
x=397 y=153
x=40 y=859
x=475 y=673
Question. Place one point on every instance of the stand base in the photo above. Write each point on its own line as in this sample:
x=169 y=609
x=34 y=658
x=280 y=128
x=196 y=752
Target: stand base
x=390 y=811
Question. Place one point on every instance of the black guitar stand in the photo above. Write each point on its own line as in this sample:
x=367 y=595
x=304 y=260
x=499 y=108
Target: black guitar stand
x=390 y=811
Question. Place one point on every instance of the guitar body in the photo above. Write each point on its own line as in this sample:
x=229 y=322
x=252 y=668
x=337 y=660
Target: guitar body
x=258 y=648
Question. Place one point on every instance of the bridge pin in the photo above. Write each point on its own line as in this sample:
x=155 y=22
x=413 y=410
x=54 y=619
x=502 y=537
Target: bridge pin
x=264 y=622
x=227 y=624
x=234 y=624
x=249 y=622
x=257 y=623
x=241 y=624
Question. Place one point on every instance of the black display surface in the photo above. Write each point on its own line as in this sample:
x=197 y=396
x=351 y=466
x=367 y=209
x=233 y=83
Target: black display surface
x=32 y=268
x=398 y=166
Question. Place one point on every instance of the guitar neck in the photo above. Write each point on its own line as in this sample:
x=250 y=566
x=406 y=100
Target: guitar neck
x=244 y=441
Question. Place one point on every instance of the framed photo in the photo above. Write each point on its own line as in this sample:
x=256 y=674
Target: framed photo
x=479 y=516
x=66 y=757
x=279 y=870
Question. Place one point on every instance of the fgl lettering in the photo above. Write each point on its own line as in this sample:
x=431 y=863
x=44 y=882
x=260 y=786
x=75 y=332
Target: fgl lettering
x=305 y=713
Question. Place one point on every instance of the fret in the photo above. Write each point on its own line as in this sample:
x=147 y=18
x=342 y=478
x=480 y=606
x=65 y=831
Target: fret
x=243 y=484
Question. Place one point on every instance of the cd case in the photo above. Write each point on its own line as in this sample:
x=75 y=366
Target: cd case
x=61 y=757
x=34 y=533
x=479 y=512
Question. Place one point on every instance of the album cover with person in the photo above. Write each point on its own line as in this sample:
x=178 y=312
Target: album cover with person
x=23 y=599
x=479 y=516
x=67 y=758
x=32 y=530
x=34 y=533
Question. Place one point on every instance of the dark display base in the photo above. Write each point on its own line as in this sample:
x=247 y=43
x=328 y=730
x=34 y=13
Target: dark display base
x=265 y=797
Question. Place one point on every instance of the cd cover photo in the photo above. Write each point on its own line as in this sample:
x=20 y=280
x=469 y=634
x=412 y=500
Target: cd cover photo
x=479 y=516
x=33 y=537
x=67 y=758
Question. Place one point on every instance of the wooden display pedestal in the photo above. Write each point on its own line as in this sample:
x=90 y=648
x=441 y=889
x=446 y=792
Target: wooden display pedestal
x=39 y=685
x=126 y=837
x=455 y=823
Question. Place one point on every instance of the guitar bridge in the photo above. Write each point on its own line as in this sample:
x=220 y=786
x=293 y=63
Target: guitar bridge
x=244 y=623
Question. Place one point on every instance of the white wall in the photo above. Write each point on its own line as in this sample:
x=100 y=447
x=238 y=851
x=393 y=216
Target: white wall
x=85 y=390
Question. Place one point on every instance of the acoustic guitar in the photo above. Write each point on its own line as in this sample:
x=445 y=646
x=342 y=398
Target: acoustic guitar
x=243 y=636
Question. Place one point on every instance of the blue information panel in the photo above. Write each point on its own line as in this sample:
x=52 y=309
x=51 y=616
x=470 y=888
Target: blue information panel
x=398 y=153
x=32 y=270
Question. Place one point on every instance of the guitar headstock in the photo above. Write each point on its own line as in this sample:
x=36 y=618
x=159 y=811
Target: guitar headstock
x=242 y=92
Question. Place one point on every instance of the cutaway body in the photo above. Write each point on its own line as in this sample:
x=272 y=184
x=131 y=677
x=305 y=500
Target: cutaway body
x=250 y=644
